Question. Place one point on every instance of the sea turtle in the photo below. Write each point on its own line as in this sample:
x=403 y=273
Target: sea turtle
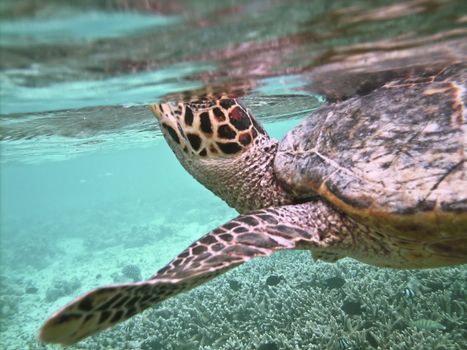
x=380 y=178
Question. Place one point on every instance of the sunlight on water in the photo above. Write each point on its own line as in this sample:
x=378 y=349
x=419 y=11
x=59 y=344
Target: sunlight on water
x=60 y=135
x=134 y=88
x=70 y=26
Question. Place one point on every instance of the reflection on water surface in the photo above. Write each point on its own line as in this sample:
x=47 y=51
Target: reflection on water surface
x=78 y=60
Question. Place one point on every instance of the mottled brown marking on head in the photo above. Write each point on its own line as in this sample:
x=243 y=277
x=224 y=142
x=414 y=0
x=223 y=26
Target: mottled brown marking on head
x=226 y=103
x=195 y=141
x=245 y=138
x=226 y=132
x=229 y=147
x=239 y=119
x=188 y=116
x=219 y=114
x=208 y=128
x=173 y=134
x=205 y=121
x=180 y=130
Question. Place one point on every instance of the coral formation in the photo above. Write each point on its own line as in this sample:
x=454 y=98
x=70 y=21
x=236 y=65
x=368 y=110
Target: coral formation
x=297 y=315
x=10 y=298
x=133 y=272
x=334 y=282
x=235 y=285
x=352 y=307
x=268 y=346
x=8 y=305
x=31 y=289
x=62 y=288
x=241 y=310
x=273 y=280
x=151 y=344
x=23 y=252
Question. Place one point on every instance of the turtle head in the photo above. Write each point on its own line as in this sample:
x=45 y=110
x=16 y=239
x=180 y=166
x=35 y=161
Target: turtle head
x=221 y=144
x=208 y=129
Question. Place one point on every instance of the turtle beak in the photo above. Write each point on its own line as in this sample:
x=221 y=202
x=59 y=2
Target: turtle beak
x=163 y=111
x=157 y=111
x=167 y=115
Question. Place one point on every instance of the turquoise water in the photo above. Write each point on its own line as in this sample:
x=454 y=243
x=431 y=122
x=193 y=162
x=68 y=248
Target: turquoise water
x=88 y=186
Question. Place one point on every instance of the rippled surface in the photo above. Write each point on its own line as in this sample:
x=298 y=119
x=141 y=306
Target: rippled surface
x=74 y=73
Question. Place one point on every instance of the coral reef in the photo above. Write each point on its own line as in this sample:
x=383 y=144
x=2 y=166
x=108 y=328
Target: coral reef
x=287 y=301
x=31 y=290
x=268 y=346
x=62 y=288
x=141 y=235
x=11 y=293
x=8 y=305
x=297 y=314
x=334 y=282
x=133 y=272
x=21 y=252
x=235 y=285
x=128 y=273
x=351 y=307
x=273 y=280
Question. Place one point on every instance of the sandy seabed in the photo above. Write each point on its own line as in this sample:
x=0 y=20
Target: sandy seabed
x=287 y=301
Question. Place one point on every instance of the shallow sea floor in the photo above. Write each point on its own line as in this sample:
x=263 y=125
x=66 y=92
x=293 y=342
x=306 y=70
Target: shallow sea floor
x=142 y=214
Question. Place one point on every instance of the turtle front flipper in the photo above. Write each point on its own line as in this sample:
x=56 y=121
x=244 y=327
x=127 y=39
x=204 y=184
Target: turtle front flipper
x=255 y=234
